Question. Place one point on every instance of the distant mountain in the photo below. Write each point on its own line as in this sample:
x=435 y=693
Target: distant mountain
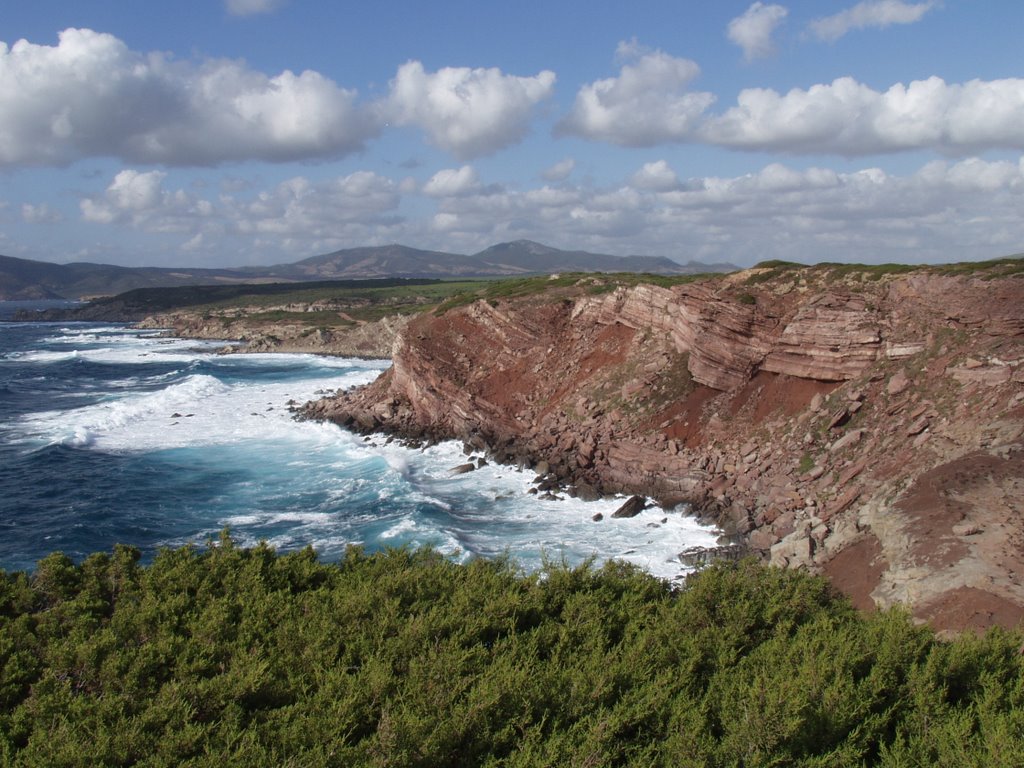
x=520 y=257
x=380 y=261
x=26 y=279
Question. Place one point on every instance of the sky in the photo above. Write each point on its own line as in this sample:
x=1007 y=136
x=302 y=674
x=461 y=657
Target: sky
x=251 y=132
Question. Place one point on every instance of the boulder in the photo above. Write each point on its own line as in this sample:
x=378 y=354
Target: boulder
x=633 y=507
x=898 y=383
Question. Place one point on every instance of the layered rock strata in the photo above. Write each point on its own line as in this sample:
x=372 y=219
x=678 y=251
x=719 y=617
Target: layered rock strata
x=867 y=428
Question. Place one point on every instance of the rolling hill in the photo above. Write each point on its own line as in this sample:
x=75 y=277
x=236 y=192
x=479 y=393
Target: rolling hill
x=26 y=279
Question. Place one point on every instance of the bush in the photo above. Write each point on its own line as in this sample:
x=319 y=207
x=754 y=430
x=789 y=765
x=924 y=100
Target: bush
x=243 y=656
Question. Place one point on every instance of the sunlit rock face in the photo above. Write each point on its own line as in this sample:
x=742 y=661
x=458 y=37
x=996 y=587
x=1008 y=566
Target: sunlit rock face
x=800 y=410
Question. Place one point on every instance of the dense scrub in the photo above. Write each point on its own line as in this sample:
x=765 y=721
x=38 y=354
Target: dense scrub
x=559 y=286
x=243 y=657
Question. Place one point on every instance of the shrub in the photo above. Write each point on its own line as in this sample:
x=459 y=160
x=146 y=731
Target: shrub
x=243 y=656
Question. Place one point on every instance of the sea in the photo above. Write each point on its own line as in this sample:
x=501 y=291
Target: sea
x=110 y=434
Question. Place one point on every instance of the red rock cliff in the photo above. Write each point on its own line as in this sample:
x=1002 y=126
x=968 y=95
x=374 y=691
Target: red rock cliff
x=869 y=428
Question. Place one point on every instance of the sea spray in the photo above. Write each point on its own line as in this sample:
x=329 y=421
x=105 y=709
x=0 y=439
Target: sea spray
x=115 y=435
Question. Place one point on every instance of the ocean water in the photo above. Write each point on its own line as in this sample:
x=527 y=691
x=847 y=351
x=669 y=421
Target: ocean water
x=113 y=435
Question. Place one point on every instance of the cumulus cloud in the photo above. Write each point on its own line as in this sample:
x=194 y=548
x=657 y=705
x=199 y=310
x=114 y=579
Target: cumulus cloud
x=870 y=13
x=754 y=29
x=647 y=104
x=451 y=182
x=252 y=7
x=467 y=112
x=90 y=95
x=130 y=194
x=849 y=118
x=650 y=103
x=296 y=216
x=657 y=176
x=560 y=171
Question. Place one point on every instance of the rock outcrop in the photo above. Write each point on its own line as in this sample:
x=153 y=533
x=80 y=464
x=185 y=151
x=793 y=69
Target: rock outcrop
x=831 y=419
x=367 y=340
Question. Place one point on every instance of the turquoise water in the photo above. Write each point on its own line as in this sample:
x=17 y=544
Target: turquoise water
x=109 y=434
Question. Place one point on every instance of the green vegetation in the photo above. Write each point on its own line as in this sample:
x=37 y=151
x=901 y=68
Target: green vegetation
x=779 y=264
x=243 y=657
x=871 y=272
x=555 y=285
x=361 y=300
x=271 y=294
x=806 y=463
x=773 y=268
x=991 y=269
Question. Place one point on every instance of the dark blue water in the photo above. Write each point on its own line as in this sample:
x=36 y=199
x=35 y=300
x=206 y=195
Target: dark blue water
x=111 y=435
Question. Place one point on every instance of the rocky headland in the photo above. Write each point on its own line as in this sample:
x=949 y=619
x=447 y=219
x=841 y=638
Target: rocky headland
x=353 y=338
x=865 y=423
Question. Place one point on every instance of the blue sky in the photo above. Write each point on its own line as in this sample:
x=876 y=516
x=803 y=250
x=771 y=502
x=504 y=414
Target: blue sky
x=232 y=132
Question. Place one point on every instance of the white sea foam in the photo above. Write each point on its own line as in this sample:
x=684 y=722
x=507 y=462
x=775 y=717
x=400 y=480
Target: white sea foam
x=401 y=528
x=495 y=513
x=197 y=411
x=302 y=483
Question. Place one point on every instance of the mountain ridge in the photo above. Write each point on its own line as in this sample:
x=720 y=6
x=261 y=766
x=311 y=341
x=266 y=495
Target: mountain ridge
x=29 y=279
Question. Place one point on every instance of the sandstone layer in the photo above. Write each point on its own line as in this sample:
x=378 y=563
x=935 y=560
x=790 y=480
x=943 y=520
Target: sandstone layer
x=868 y=426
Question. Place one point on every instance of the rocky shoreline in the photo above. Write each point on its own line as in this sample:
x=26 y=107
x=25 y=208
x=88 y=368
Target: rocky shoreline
x=866 y=427
x=370 y=340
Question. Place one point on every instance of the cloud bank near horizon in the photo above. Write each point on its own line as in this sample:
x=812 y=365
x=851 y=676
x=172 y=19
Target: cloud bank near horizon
x=803 y=214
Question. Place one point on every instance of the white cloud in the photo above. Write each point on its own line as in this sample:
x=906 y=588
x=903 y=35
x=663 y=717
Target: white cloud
x=560 y=171
x=944 y=211
x=657 y=176
x=849 y=118
x=91 y=96
x=130 y=195
x=252 y=7
x=467 y=112
x=297 y=216
x=647 y=104
x=304 y=211
x=754 y=29
x=451 y=182
x=40 y=214
x=871 y=13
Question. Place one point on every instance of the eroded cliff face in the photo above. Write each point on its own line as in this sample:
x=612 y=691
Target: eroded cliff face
x=868 y=428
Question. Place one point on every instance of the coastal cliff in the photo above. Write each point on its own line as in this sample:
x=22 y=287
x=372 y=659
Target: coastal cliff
x=373 y=339
x=868 y=425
